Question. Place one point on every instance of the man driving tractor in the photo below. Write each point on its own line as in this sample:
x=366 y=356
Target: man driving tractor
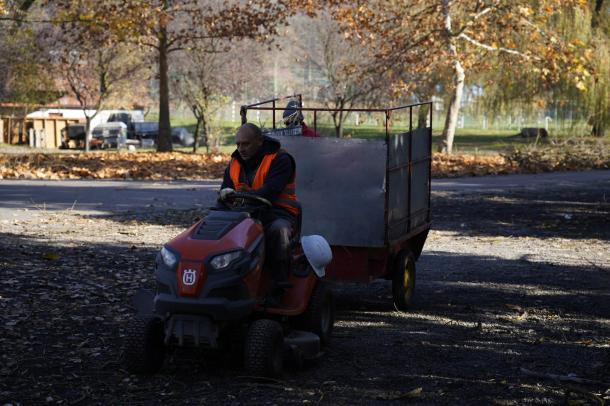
x=259 y=167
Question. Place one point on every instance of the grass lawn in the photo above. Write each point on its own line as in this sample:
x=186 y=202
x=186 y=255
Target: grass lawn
x=467 y=140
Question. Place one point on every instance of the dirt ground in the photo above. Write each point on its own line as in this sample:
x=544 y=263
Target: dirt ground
x=512 y=308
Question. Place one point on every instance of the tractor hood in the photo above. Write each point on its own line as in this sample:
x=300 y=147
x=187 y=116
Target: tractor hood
x=220 y=231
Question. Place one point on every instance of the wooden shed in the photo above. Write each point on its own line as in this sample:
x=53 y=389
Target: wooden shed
x=17 y=130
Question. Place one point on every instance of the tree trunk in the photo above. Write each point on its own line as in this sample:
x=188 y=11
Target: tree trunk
x=597 y=13
x=196 y=136
x=454 y=107
x=340 y=120
x=164 y=140
x=598 y=129
x=87 y=132
x=423 y=115
x=456 y=98
x=205 y=133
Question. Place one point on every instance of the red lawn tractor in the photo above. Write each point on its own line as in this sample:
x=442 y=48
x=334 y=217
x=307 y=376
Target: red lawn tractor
x=212 y=291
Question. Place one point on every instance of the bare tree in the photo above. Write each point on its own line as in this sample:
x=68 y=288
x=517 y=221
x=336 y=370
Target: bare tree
x=93 y=66
x=208 y=76
x=168 y=27
x=342 y=64
x=198 y=84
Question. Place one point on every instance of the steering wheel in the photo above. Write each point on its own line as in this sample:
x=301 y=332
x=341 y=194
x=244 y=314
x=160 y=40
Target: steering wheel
x=247 y=196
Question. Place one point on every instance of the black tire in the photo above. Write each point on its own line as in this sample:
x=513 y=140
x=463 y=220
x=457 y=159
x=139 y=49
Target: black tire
x=403 y=281
x=264 y=349
x=319 y=318
x=144 y=349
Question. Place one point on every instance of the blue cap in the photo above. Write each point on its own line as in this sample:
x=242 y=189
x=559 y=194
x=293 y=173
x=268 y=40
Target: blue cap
x=291 y=108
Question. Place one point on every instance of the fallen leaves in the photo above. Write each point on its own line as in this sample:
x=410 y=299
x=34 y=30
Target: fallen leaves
x=51 y=256
x=570 y=155
x=113 y=165
x=412 y=394
x=454 y=166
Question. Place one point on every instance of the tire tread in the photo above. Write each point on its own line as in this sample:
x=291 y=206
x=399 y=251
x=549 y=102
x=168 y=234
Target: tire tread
x=144 y=351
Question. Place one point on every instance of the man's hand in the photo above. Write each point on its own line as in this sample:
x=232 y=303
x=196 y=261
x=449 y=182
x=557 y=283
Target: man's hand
x=224 y=193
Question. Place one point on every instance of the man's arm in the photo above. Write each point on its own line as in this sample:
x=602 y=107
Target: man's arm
x=226 y=180
x=226 y=183
x=280 y=174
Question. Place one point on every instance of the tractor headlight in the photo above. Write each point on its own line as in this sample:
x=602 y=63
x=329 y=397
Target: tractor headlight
x=222 y=261
x=169 y=258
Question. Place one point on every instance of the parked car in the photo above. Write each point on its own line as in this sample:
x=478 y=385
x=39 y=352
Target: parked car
x=109 y=135
x=181 y=136
x=146 y=132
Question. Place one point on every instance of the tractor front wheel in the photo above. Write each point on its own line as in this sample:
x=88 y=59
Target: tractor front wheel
x=144 y=349
x=403 y=281
x=264 y=349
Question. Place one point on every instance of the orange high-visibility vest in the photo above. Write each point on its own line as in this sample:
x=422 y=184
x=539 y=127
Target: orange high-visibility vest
x=287 y=199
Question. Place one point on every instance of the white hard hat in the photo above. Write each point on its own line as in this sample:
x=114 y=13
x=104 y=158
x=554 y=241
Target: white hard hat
x=318 y=253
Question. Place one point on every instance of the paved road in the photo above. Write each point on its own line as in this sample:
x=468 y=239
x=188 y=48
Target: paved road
x=19 y=198
x=512 y=182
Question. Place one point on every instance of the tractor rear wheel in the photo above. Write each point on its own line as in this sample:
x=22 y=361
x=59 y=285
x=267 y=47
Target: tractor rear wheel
x=264 y=349
x=144 y=349
x=403 y=281
x=319 y=318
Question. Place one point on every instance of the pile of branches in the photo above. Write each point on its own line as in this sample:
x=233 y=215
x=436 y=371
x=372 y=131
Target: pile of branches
x=570 y=155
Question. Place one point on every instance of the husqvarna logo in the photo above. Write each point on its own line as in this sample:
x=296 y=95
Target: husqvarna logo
x=189 y=276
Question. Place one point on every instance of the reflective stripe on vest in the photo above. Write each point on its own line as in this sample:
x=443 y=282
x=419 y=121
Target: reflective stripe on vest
x=287 y=199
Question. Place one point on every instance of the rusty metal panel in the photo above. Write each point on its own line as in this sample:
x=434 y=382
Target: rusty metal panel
x=341 y=186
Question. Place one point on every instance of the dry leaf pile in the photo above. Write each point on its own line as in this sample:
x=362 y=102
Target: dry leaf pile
x=113 y=165
x=454 y=166
x=568 y=156
x=185 y=166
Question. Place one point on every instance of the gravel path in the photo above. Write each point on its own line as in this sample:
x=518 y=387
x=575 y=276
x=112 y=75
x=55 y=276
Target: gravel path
x=513 y=288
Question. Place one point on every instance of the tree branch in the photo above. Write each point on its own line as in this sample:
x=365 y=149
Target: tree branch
x=498 y=49
x=54 y=22
x=482 y=13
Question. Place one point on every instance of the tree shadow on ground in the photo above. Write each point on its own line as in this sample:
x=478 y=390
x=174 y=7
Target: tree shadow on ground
x=573 y=214
x=62 y=318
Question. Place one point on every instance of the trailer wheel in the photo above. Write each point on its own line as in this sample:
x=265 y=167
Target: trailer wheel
x=144 y=350
x=403 y=281
x=264 y=349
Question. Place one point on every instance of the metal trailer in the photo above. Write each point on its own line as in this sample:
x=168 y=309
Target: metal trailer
x=109 y=135
x=370 y=198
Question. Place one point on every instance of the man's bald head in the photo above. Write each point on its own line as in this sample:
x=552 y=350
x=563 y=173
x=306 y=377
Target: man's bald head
x=249 y=140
